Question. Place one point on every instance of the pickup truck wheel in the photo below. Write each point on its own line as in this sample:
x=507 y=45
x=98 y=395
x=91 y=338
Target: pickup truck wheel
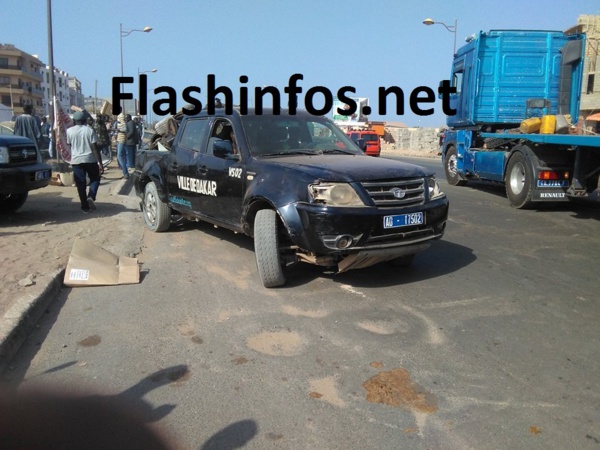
x=450 y=167
x=11 y=202
x=519 y=181
x=266 y=249
x=157 y=214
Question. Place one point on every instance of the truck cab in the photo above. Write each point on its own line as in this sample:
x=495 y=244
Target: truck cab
x=502 y=78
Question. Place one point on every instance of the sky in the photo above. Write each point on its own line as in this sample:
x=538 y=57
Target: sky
x=332 y=43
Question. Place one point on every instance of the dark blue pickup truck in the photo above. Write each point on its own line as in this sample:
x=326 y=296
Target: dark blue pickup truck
x=21 y=171
x=296 y=184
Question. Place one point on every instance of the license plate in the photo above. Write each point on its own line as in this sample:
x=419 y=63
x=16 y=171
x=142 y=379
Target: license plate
x=42 y=175
x=403 y=220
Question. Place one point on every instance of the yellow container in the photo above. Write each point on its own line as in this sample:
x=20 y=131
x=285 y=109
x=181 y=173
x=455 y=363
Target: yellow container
x=531 y=125
x=548 y=125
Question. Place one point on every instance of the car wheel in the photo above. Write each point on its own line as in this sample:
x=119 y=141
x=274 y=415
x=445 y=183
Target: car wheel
x=519 y=181
x=266 y=249
x=11 y=202
x=157 y=214
x=451 y=168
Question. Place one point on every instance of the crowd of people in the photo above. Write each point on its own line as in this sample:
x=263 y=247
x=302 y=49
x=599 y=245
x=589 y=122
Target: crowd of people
x=90 y=139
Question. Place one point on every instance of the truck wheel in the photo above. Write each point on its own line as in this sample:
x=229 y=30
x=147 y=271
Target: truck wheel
x=157 y=214
x=519 y=181
x=266 y=249
x=451 y=170
x=11 y=202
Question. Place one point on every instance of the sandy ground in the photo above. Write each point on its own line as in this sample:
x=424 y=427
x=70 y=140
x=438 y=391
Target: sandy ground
x=36 y=241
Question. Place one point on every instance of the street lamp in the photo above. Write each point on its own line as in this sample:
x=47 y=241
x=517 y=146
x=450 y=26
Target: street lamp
x=124 y=33
x=450 y=28
x=146 y=71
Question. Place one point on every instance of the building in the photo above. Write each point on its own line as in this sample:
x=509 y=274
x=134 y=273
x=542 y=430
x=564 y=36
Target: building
x=61 y=81
x=20 y=80
x=590 y=95
x=75 y=95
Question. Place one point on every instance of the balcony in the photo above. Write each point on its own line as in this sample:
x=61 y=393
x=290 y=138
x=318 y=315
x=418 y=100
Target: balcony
x=20 y=70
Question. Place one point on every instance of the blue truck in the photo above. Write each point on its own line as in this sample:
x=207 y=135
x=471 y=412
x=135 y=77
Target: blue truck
x=503 y=78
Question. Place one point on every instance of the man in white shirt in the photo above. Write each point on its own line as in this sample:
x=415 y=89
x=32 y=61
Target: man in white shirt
x=85 y=159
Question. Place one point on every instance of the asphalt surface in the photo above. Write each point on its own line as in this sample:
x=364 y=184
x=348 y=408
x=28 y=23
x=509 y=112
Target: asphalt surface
x=489 y=340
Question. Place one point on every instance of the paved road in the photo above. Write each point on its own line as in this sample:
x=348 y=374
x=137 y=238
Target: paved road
x=490 y=340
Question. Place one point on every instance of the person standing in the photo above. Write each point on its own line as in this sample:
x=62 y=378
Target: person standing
x=85 y=159
x=132 y=140
x=45 y=143
x=102 y=135
x=28 y=125
x=121 y=148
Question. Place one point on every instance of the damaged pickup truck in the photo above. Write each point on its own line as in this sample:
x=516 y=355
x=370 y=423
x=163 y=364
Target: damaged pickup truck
x=296 y=184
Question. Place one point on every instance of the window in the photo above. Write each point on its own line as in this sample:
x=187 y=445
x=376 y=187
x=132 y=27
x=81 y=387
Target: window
x=3 y=62
x=4 y=81
x=457 y=82
x=590 y=84
x=194 y=131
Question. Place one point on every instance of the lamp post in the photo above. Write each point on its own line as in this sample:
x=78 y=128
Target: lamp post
x=146 y=71
x=450 y=28
x=124 y=33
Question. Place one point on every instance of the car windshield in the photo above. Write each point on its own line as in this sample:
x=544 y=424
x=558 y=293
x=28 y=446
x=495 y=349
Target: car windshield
x=276 y=135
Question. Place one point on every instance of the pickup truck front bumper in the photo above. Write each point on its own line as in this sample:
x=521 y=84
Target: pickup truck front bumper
x=339 y=231
x=21 y=179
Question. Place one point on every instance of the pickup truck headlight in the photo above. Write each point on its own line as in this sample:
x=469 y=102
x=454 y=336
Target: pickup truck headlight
x=334 y=194
x=434 y=189
x=4 y=157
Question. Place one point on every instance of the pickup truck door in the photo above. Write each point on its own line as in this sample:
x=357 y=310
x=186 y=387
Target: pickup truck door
x=221 y=170
x=183 y=163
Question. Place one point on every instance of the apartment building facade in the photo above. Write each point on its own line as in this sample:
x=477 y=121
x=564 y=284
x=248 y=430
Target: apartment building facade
x=20 y=80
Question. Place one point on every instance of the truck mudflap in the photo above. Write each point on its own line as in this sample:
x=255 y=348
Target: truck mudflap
x=366 y=258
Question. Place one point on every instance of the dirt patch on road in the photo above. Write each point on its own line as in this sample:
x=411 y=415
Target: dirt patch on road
x=35 y=242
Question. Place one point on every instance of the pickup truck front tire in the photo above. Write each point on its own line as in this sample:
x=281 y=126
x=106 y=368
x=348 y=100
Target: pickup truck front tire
x=157 y=214
x=11 y=202
x=266 y=249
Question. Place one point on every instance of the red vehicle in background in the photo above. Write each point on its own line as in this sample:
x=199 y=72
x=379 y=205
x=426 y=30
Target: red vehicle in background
x=373 y=142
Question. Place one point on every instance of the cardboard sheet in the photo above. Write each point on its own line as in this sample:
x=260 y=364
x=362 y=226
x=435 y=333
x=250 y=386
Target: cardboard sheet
x=91 y=265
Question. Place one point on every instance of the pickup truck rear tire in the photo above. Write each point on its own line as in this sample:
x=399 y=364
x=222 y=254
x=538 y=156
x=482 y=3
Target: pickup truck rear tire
x=157 y=214
x=266 y=249
x=450 y=167
x=11 y=202
x=519 y=181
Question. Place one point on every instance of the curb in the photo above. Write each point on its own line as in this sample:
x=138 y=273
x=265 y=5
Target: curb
x=22 y=317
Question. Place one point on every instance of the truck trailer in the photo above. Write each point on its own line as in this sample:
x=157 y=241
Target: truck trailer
x=506 y=80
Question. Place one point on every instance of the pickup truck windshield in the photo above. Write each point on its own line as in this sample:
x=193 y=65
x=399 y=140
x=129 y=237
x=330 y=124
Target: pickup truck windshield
x=271 y=135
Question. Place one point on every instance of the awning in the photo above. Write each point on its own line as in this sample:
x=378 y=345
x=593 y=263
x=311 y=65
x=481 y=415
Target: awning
x=595 y=116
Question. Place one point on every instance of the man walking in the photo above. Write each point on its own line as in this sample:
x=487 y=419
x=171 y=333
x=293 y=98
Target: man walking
x=85 y=159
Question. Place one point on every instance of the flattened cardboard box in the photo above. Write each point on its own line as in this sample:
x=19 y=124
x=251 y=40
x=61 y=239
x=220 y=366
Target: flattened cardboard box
x=91 y=265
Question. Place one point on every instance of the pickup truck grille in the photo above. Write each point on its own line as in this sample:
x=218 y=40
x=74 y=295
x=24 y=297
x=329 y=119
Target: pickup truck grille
x=412 y=192
x=22 y=154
